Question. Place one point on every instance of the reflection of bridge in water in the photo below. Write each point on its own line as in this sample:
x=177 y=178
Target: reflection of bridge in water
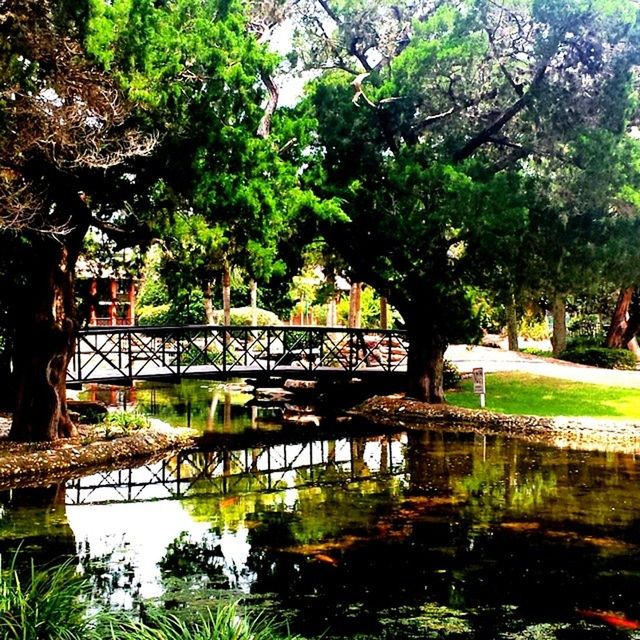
x=258 y=469
x=124 y=354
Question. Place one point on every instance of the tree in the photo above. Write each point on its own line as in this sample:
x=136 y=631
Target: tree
x=67 y=135
x=427 y=132
x=114 y=115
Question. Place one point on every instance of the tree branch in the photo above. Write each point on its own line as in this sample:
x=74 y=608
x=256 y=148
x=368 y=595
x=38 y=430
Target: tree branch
x=264 y=128
x=487 y=133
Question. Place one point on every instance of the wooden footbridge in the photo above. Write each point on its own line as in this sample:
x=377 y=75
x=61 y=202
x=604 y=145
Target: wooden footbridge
x=122 y=354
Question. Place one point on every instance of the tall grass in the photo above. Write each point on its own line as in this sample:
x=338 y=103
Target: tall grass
x=224 y=622
x=46 y=604
x=52 y=604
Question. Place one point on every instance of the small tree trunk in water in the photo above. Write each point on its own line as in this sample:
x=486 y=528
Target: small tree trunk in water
x=226 y=295
x=44 y=344
x=559 y=337
x=355 y=308
x=207 y=293
x=253 y=293
x=425 y=364
x=384 y=313
x=512 y=326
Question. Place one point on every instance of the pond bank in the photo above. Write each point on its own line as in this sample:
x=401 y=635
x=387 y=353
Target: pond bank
x=28 y=464
x=562 y=432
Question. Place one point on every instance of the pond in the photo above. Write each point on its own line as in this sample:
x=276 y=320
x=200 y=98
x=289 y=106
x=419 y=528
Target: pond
x=352 y=533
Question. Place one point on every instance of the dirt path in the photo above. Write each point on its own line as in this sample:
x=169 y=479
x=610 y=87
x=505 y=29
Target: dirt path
x=497 y=359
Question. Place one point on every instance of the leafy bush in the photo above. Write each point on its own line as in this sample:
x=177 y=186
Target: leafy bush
x=153 y=293
x=587 y=326
x=534 y=328
x=601 y=357
x=124 y=423
x=545 y=353
x=451 y=375
x=185 y=309
x=150 y=316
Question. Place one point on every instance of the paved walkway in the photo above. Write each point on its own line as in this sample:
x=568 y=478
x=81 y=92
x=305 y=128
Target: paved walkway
x=498 y=359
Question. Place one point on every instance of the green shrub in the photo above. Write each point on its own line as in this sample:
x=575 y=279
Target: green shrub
x=48 y=605
x=124 y=423
x=533 y=328
x=587 y=326
x=150 y=316
x=545 y=353
x=451 y=375
x=601 y=357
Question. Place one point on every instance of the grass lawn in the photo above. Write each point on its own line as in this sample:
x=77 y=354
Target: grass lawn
x=521 y=393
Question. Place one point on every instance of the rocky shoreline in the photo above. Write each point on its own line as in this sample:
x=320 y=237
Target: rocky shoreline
x=562 y=432
x=31 y=464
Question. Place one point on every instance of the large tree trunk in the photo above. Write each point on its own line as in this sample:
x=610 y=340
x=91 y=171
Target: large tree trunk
x=512 y=326
x=625 y=322
x=44 y=344
x=559 y=336
x=425 y=364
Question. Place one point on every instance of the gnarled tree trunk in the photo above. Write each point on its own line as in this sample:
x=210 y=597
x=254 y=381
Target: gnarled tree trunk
x=425 y=365
x=44 y=345
x=625 y=322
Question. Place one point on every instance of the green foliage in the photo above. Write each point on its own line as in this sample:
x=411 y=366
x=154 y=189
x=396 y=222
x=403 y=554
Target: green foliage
x=150 y=316
x=52 y=604
x=225 y=622
x=124 y=423
x=451 y=375
x=587 y=326
x=543 y=353
x=46 y=604
x=534 y=328
x=601 y=357
x=153 y=293
x=441 y=197
x=186 y=308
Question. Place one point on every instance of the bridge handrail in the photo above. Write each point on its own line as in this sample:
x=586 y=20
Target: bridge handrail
x=233 y=327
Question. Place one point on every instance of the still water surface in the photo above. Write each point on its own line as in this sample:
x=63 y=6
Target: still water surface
x=408 y=534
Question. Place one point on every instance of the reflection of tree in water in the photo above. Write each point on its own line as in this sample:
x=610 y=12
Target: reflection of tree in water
x=34 y=519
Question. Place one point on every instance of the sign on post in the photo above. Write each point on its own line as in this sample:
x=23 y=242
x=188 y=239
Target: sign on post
x=479 y=384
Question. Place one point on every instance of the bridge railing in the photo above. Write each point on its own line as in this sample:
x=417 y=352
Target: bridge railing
x=129 y=353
